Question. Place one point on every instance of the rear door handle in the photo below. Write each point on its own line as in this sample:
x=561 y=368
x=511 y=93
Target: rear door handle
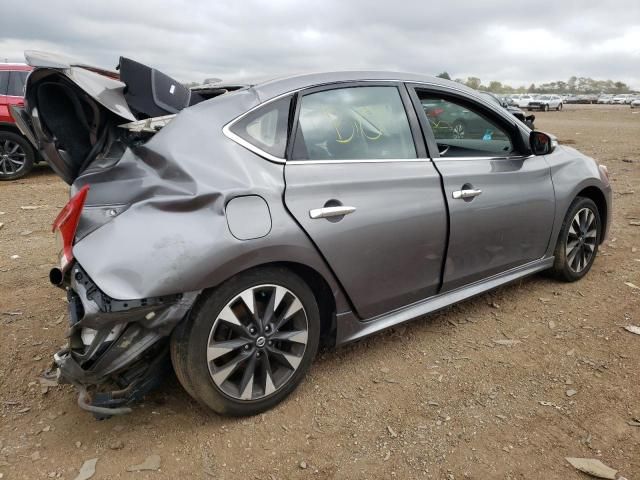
x=326 y=212
x=470 y=193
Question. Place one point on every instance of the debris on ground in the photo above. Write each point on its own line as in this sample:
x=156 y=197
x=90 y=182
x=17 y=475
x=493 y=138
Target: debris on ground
x=631 y=285
x=32 y=207
x=593 y=467
x=571 y=392
x=507 y=343
x=87 y=470
x=116 y=445
x=152 y=462
x=633 y=329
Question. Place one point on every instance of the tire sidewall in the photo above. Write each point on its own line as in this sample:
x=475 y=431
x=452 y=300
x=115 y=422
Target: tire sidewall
x=561 y=265
x=207 y=311
x=29 y=157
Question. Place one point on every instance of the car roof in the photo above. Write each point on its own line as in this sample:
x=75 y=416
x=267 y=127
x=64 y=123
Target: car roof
x=279 y=86
x=21 y=67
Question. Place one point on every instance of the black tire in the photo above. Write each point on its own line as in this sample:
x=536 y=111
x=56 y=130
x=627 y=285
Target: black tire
x=9 y=142
x=545 y=108
x=190 y=343
x=564 y=266
x=559 y=107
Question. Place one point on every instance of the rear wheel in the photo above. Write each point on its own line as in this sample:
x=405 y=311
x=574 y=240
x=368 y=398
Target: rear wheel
x=578 y=241
x=249 y=342
x=16 y=156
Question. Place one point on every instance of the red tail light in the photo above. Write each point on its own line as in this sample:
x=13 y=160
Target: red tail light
x=66 y=224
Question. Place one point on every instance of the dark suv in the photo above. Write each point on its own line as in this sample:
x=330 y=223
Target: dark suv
x=16 y=153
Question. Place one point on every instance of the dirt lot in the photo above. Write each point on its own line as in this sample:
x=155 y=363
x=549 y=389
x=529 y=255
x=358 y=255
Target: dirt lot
x=437 y=398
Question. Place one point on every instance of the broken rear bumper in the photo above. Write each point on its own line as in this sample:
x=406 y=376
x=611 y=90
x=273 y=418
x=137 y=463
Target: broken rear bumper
x=117 y=350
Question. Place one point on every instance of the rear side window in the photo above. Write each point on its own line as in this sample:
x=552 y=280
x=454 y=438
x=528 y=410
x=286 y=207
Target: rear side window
x=16 y=83
x=353 y=123
x=266 y=127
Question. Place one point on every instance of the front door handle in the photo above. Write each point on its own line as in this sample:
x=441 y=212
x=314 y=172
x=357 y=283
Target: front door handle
x=327 y=212
x=470 y=193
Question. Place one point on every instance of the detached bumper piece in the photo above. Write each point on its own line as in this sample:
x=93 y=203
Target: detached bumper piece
x=118 y=350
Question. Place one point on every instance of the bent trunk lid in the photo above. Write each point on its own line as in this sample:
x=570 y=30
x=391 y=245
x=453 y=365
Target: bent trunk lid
x=72 y=110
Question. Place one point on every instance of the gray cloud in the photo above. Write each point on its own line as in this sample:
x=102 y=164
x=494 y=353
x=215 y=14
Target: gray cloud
x=514 y=42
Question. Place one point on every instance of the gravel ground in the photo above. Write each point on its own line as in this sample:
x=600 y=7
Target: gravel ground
x=437 y=398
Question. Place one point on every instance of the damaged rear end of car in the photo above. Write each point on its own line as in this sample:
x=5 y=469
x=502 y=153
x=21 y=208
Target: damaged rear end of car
x=93 y=127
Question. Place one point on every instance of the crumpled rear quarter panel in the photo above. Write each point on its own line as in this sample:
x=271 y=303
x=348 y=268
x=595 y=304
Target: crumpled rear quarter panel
x=172 y=235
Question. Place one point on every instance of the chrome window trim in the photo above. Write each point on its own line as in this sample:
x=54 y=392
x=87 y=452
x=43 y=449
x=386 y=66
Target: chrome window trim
x=358 y=160
x=226 y=129
x=457 y=159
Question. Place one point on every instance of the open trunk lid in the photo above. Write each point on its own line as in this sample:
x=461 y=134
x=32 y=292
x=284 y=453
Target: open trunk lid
x=72 y=110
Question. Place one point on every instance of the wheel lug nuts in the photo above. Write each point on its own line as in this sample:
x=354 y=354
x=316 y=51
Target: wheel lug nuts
x=247 y=347
x=270 y=342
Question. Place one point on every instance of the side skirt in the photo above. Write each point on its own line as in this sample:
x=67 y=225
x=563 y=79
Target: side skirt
x=350 y=328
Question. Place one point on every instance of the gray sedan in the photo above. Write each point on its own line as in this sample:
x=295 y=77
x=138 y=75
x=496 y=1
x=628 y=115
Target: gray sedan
x=234 y=228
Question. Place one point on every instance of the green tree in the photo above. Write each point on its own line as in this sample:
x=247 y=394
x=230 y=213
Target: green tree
x=444 y=75
x=495 y=87
x=473 y=82
x=532 y=88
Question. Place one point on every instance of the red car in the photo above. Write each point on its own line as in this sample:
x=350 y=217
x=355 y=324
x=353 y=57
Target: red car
x=17 y=156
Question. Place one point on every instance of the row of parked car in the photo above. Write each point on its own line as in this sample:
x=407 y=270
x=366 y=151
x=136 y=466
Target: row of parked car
x=623 y=99
x=532 y=101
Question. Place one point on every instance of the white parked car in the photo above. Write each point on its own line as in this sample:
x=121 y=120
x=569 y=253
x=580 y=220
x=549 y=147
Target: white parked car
x=523 y=100
x=606 y=99
x=635 y=103
x=545 y=103
x=619 y=99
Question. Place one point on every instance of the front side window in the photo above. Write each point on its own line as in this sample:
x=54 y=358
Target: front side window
x=16 y=83
x=353 y=123
x=266 y=127
x=461 y=131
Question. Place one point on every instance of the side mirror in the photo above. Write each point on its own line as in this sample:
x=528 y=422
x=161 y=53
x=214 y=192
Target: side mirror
x=542 y=143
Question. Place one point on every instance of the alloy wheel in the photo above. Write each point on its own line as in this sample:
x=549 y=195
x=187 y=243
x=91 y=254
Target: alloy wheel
x=12 y=157
x=257 y=342
x=581 y=240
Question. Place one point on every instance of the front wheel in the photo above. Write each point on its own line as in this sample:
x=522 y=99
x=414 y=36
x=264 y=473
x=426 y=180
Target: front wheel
x=578 y=241
x=545 y=108
x=248 y=343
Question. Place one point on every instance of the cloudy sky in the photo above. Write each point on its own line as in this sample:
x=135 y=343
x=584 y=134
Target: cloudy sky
x=507 y=40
